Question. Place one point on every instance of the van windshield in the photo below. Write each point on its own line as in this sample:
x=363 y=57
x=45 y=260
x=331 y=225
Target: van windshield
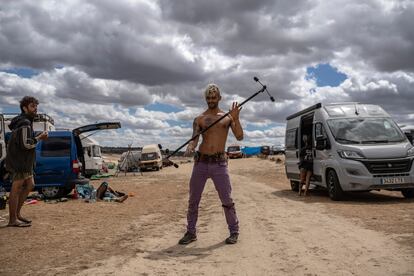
x=149 y=156
x=365 y=131
x=96 y=151
x=233 y=148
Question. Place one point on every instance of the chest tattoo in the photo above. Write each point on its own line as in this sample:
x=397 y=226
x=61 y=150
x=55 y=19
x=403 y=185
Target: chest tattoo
x=208 y=121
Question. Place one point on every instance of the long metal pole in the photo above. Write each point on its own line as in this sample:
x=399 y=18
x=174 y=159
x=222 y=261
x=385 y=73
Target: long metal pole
x=215 y=122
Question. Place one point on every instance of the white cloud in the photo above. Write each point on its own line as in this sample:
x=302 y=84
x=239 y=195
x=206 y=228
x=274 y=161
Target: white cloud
x=115 y=58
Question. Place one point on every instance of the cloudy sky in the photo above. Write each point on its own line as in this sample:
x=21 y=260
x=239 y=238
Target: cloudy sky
x=146 y=63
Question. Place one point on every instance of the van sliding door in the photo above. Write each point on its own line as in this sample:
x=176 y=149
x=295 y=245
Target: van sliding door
x=292 y=154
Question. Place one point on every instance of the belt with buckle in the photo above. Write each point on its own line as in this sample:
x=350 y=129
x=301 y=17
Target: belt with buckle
x=210 y=158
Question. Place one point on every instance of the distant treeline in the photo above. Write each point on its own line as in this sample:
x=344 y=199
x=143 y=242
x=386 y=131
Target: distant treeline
x=120 y=150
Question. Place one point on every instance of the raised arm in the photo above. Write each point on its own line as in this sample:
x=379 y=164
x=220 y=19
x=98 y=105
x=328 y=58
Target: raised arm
x=193 y=144
x=236 y=127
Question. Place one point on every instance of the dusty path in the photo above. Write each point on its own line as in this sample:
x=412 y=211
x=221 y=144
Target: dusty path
x=278 y=236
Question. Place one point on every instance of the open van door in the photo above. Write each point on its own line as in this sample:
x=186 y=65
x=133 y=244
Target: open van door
x=321 y=152
x=2 y=139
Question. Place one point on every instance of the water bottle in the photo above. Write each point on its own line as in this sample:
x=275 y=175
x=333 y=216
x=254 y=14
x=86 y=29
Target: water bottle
x=93 y=195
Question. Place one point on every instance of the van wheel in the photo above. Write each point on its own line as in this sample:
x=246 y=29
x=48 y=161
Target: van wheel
x=334 y=187
x=408 y=193
x=52 y=192
x=294 y=185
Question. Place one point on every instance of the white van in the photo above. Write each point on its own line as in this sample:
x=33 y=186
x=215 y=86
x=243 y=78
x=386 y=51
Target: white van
x=92 y=155
x=42 y=122
x=356 y=147
x=151 y=158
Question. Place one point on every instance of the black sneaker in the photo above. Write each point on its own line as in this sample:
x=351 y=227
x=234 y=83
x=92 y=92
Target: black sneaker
x=188 y=238
x=233 y=238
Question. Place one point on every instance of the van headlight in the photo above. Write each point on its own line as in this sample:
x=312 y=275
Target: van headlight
x=410 y=152
x=349 y=154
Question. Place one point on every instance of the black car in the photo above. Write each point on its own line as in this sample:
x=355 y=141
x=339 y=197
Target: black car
x=265 y=150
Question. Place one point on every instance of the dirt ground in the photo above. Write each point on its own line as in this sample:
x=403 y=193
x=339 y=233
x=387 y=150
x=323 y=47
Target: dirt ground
x=280 y=233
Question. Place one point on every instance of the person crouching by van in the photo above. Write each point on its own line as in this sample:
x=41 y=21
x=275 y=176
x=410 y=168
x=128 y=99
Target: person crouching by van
x=305 y=165
x=20 y=159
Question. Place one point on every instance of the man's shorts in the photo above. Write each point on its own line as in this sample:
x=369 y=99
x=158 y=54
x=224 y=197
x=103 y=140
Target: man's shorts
x=21 y=176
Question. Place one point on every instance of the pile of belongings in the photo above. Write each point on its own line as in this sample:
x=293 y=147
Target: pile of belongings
x=106 y=193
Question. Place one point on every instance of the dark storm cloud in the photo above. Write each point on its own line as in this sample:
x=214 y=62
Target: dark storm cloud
x=76 y=85
x=105 y=39
x=380 y=33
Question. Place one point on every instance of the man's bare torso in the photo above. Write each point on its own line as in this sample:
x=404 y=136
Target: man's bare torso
x=214 y=139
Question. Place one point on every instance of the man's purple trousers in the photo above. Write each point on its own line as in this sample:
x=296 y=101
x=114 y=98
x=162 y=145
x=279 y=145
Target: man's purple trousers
x=218 y=172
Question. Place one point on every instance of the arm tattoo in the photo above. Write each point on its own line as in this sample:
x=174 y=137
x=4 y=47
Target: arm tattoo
x=196 y=127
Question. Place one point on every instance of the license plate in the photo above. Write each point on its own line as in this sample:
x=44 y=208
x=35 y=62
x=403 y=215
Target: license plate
x=392 y=180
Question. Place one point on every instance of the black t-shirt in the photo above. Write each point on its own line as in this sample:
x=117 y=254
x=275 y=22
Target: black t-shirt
x=306 y=155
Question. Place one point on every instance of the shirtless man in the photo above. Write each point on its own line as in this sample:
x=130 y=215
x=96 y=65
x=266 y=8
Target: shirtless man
x=211 y=161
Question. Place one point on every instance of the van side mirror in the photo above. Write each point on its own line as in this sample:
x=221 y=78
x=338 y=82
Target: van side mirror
x=160 y=146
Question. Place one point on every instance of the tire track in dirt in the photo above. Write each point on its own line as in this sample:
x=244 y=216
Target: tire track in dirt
x=278 y=236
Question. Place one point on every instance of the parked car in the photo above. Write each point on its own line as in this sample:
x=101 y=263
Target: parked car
x=265 y=150
x=60 y=162
x=234 y=151
x=356 y=147
x=277 y=149
x=151 y=158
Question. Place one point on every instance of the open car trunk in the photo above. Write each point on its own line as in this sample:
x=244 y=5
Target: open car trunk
x=89 y=128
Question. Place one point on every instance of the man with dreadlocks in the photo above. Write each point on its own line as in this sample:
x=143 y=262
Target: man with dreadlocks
x=210 y=161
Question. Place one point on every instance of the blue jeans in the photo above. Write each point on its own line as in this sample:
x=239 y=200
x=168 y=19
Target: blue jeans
x=218 y=172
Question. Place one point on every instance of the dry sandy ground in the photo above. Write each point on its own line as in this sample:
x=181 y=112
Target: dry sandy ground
x=281 y=233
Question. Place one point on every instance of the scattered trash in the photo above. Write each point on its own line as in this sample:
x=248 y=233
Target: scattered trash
x=37 y=196
x=51 y=201
x=111 y=165
x=106 y=193
x=3 y=218
x=84 y=191
x=31 y=201
x=75 y=194
x=99 y=176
